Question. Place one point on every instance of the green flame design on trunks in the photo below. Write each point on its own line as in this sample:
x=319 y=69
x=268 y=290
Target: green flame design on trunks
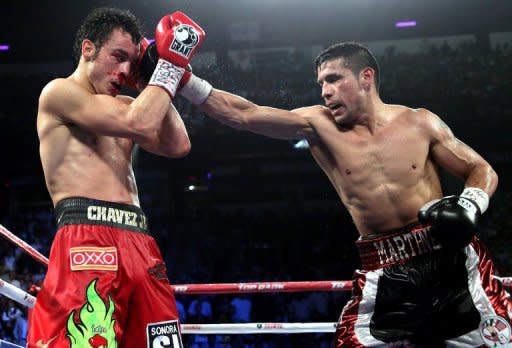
x=96 y=326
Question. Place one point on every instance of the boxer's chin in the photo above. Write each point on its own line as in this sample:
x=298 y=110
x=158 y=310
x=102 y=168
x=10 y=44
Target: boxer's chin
x=341 y=116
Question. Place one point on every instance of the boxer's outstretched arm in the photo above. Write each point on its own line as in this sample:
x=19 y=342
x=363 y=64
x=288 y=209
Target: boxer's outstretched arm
x=458 y=158
x=239 y=113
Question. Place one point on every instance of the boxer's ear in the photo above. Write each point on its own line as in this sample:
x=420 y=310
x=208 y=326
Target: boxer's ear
x=88 y=49
x=367 y=78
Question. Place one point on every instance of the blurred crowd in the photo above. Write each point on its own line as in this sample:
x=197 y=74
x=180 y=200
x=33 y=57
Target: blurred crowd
x=468 y=86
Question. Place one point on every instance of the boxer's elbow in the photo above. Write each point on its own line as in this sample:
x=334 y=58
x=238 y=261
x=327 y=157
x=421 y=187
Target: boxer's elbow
x=240 y=120
x=177 y=148
x=183 y=148
x=235 y=119
x=484 y=176
x=168 y=149
x=494 y=180
x=142 y=129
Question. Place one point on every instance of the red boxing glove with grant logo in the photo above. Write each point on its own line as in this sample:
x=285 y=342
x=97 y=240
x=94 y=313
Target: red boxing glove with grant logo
x=177 y=38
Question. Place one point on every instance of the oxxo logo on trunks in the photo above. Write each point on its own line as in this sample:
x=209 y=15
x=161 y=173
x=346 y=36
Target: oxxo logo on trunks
x=164 y=334
x=93 y=258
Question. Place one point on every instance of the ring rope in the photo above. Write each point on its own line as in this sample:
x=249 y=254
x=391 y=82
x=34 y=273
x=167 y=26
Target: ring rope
x=16 y=294
x=5 y=344
x=228 y=288
x=28 y=300
x=262 y=287
x=23 y=245
x=22 y=297
x=257 y=328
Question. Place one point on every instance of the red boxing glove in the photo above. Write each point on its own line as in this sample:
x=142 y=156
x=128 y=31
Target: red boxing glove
x=177 y=39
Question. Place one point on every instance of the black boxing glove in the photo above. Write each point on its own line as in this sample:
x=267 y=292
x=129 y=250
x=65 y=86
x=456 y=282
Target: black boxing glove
x=455 y=219
x=144 y=66
x=147 y=63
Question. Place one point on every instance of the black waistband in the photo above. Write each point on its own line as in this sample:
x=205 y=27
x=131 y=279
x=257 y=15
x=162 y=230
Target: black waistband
x=396 y=246
x=81 y=210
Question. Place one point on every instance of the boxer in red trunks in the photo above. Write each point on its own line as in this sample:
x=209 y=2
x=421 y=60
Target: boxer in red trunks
x=426 y=279
x=106 y=284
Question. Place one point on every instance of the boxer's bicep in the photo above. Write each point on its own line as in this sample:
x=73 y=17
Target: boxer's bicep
x=451 y=153
x=278 y=123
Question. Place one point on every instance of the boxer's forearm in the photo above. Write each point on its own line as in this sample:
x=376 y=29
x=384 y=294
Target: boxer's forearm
x=229 y=109
x=484 y=177
x=172 y=140
x=237 y=112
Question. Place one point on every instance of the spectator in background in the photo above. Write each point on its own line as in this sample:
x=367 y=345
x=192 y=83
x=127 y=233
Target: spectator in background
x=242 y=306
x=20 y=327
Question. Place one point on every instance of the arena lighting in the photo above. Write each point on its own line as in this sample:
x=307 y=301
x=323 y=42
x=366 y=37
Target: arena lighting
x=301 y=145
x=4 y=47
x=196 y=188
x=405 y=24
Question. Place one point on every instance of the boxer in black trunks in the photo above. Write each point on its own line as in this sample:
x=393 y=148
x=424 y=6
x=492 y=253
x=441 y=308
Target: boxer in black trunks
x=426 y=278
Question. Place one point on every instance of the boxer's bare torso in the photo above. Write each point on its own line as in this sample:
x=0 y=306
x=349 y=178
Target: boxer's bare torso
x=382 y=159
x=382 y=176
x=77 y=162
x=87 y=130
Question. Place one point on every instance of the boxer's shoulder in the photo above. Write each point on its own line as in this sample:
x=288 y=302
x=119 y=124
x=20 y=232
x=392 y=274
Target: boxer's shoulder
x=52 y=88
x=408 y=116
x=60 y=90
x=312 y=112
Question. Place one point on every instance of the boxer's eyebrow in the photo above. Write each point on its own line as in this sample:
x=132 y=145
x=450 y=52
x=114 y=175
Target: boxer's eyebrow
x=120 y=53
x=330 y=78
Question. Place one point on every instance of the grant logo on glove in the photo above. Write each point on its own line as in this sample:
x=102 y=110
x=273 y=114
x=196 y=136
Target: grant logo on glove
x=185 y=39
x=177 y=38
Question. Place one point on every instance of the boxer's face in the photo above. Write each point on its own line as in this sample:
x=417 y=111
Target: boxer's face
x=111 y=64
x=341 y=90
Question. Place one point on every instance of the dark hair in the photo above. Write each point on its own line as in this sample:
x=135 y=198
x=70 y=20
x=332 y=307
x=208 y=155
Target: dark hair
x=99 y=24
x=356 y=58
